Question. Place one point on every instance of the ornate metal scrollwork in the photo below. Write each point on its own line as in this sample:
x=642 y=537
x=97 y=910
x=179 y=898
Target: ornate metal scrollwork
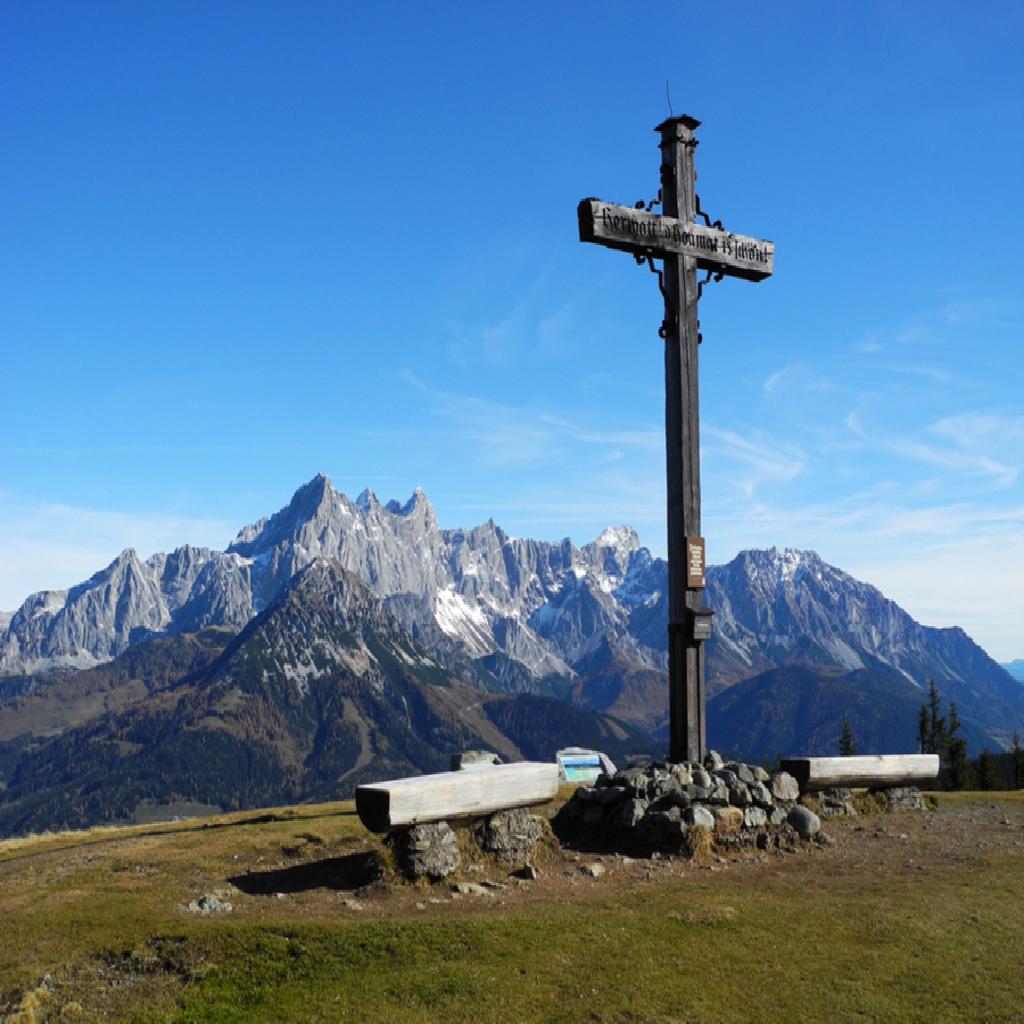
x=641 y=205
x=641 y=259
x=707 y=219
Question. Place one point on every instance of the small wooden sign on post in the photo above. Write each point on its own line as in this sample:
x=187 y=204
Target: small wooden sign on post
x=685 y=246
x=695 y=563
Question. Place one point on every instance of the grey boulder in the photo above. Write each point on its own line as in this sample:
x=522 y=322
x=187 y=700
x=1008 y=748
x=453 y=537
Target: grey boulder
x=474 y=759
x=784 y=787
x=426 y=851
x=512 y=835
x=754 y=817
x=630 y=812
x=211 y=903
x=697 y=815
x=804 y=820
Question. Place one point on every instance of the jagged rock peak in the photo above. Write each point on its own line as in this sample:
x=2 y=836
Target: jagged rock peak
x=326 y=583
x=313 y=494
x=418 y=503
x=621 y=538
x=128 y=562
x=367 y=500
x=324 y=575
x=782 y=564
x=127 y=557
x=247 y=534
x=306 y=503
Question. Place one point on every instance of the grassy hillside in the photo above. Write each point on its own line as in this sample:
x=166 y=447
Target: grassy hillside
x=905 y=918
x=47 y=705
x=321 y=691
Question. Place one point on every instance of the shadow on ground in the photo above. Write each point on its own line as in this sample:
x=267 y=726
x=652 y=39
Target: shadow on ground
x=349 y=872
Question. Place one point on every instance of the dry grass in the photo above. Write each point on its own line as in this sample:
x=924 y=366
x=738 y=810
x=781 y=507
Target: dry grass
x=702 y=844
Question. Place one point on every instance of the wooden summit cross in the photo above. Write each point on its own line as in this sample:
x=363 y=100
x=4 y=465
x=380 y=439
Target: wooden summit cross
x=685 y=246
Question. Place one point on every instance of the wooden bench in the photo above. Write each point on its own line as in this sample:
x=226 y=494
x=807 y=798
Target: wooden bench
x=383 y=806
x=874 y=771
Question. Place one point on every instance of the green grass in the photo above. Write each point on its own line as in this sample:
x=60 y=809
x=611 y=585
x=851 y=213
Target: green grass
x=886 y=932
x=938 y=953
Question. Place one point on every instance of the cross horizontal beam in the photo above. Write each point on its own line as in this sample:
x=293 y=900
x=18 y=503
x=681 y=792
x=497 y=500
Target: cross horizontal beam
x=650 y=234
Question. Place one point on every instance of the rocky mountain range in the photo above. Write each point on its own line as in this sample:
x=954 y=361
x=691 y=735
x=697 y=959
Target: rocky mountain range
x=509 y=614
x=320 y=691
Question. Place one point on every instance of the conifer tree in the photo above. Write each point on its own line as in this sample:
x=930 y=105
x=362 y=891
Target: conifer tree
x=1017 y=762
x=958 y=767
x=847 y=746
x=954 y=721
x=986 y=773
x=936 y=722
x=937 y=734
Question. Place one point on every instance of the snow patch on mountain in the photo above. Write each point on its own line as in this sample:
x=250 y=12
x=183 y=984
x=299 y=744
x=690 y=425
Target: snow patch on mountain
x=463 y=621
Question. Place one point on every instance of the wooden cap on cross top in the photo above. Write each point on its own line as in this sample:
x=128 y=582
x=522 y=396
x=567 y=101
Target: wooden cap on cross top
x=683 y=119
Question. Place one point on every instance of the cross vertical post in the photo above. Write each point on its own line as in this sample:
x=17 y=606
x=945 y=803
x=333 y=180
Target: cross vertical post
x=687 y=738
x=686 y=247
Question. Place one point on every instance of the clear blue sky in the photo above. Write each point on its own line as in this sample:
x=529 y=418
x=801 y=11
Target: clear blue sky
x=246 y=242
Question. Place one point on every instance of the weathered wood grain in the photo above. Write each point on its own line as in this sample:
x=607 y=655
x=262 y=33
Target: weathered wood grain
x=633 y=230
x=687 y=736
x=383 y=806
x=877 y=771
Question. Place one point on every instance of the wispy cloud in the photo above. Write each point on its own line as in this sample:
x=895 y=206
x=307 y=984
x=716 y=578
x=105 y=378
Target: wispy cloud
x=797 y=377
x=914 y=334
x=980 y=310
x=498 y=434
x=767 y=459
x=948 y=458
x=652 y=438
x=536 y=322
x=773 y=381
x=932 y=373
x=63 y=544
x=939 y=326
x=984 y=444
x=505 y=433
x=581 y=506
x=1003 y=428
x=869 y=344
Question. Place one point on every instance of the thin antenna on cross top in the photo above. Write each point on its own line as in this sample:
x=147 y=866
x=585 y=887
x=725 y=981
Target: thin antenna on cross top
x=668 y=96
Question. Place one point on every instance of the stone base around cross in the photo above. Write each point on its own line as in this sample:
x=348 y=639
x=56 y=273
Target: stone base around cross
x=659 y=809
x=683 y=809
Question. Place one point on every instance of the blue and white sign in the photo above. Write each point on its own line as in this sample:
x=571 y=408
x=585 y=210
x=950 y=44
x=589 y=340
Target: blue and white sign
x=578 y=764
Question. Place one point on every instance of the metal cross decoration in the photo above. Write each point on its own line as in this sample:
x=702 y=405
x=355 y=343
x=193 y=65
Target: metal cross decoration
x=684 y=245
